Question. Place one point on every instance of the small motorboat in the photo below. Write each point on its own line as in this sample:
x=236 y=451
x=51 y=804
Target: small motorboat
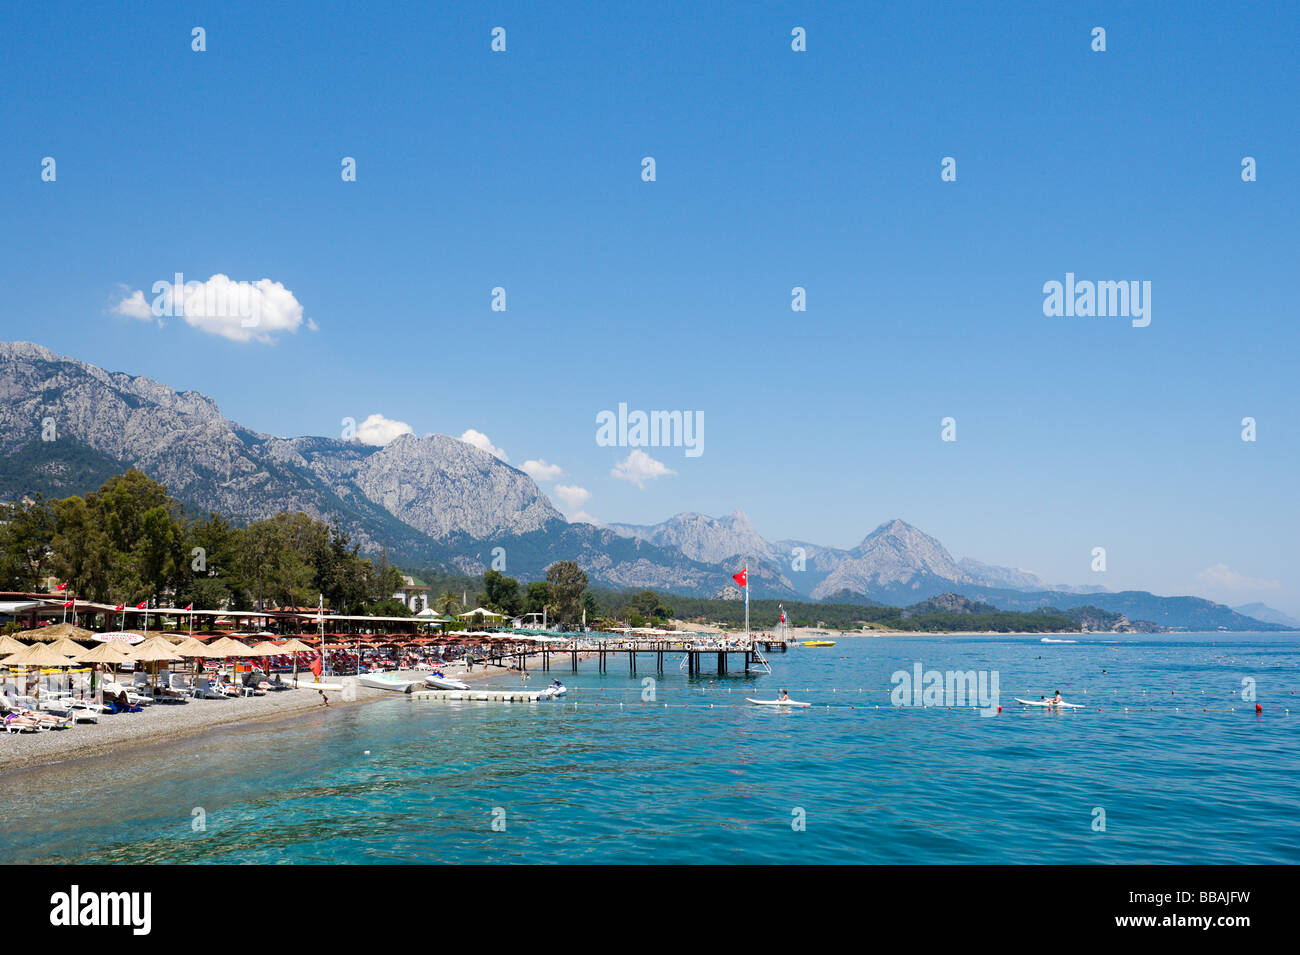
x=555 y=690
x=819 y=643
x=382 y=681
x=438 y=681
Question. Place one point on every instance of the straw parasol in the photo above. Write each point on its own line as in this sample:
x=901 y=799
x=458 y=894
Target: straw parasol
x=57 y=631
x=111 y=653
x=229 y=647
x=189 y=647
x=9 y=645
x=155 y=650
x=295 y=645
x=69 y=648
x=37 y=655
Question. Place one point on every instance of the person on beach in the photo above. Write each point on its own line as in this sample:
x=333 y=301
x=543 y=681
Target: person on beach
x=324 y=700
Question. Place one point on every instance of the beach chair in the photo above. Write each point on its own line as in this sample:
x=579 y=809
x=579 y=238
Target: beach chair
x=17 y=723
x=89 y=704
x=135 y=699
x=203 y=690
x=59 y=707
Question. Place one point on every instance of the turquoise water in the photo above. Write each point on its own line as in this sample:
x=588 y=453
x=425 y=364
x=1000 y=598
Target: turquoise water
x=590 y=780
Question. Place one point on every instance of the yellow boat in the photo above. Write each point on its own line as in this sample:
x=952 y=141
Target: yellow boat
x=819 y=643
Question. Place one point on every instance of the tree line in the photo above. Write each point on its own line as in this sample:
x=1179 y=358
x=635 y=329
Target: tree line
x=130 y=541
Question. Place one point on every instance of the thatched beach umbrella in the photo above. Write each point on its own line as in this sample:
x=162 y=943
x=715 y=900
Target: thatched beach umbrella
x=57 y=631
x=37 y=655
x=195 y=650
x=229 y=647
x=155 y=650
x=69 y=648
x=9 y=645
x=190 y=647
x=111 y=654
x=295 y=646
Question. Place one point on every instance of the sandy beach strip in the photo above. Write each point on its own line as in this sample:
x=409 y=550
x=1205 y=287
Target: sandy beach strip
x=161 y=722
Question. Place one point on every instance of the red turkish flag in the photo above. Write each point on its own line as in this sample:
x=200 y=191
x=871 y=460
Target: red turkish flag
x=189 y=606
x=315 y=666
x=141 y=605
x=120 y=607
x=63 y=586
x=67 y=603
x=742 y=578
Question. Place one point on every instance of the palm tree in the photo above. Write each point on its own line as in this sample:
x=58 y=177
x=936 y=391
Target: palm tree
x=447 y=603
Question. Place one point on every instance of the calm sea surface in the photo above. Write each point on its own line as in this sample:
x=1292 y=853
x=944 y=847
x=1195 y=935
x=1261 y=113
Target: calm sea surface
x=601 y=777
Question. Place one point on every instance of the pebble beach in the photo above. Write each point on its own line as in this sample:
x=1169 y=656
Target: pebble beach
x=161 y=722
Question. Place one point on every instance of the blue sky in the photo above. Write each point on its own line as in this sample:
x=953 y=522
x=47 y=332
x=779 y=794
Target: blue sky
x=775 y=169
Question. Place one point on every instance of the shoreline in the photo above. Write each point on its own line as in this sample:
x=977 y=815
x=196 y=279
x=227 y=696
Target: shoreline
x=162 y=723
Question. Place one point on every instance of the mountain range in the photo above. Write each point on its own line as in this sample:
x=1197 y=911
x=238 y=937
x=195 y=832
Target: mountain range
x=66 y=426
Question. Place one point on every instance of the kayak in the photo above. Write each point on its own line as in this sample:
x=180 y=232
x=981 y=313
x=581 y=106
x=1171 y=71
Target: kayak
x=1050 y=703
x=776 y=702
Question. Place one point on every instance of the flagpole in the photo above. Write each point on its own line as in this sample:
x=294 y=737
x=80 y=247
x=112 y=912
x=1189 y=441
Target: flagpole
x=746 y=600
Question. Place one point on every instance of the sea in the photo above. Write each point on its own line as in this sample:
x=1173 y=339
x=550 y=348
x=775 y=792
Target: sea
x=1168 y=760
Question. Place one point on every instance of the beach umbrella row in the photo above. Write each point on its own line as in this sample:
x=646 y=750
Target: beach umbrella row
x=116 y=649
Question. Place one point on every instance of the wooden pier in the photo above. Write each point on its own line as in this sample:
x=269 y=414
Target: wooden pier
x=634 y=654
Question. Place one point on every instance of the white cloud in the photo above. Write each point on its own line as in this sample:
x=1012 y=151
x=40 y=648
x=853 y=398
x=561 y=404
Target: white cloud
x=638 y=467
x=380 y=430
x=239 y=311
x=582 y=517
x=539 y=470
x=134 y=306
x=571 y=496
x=1221 y=575
x=483 y=443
